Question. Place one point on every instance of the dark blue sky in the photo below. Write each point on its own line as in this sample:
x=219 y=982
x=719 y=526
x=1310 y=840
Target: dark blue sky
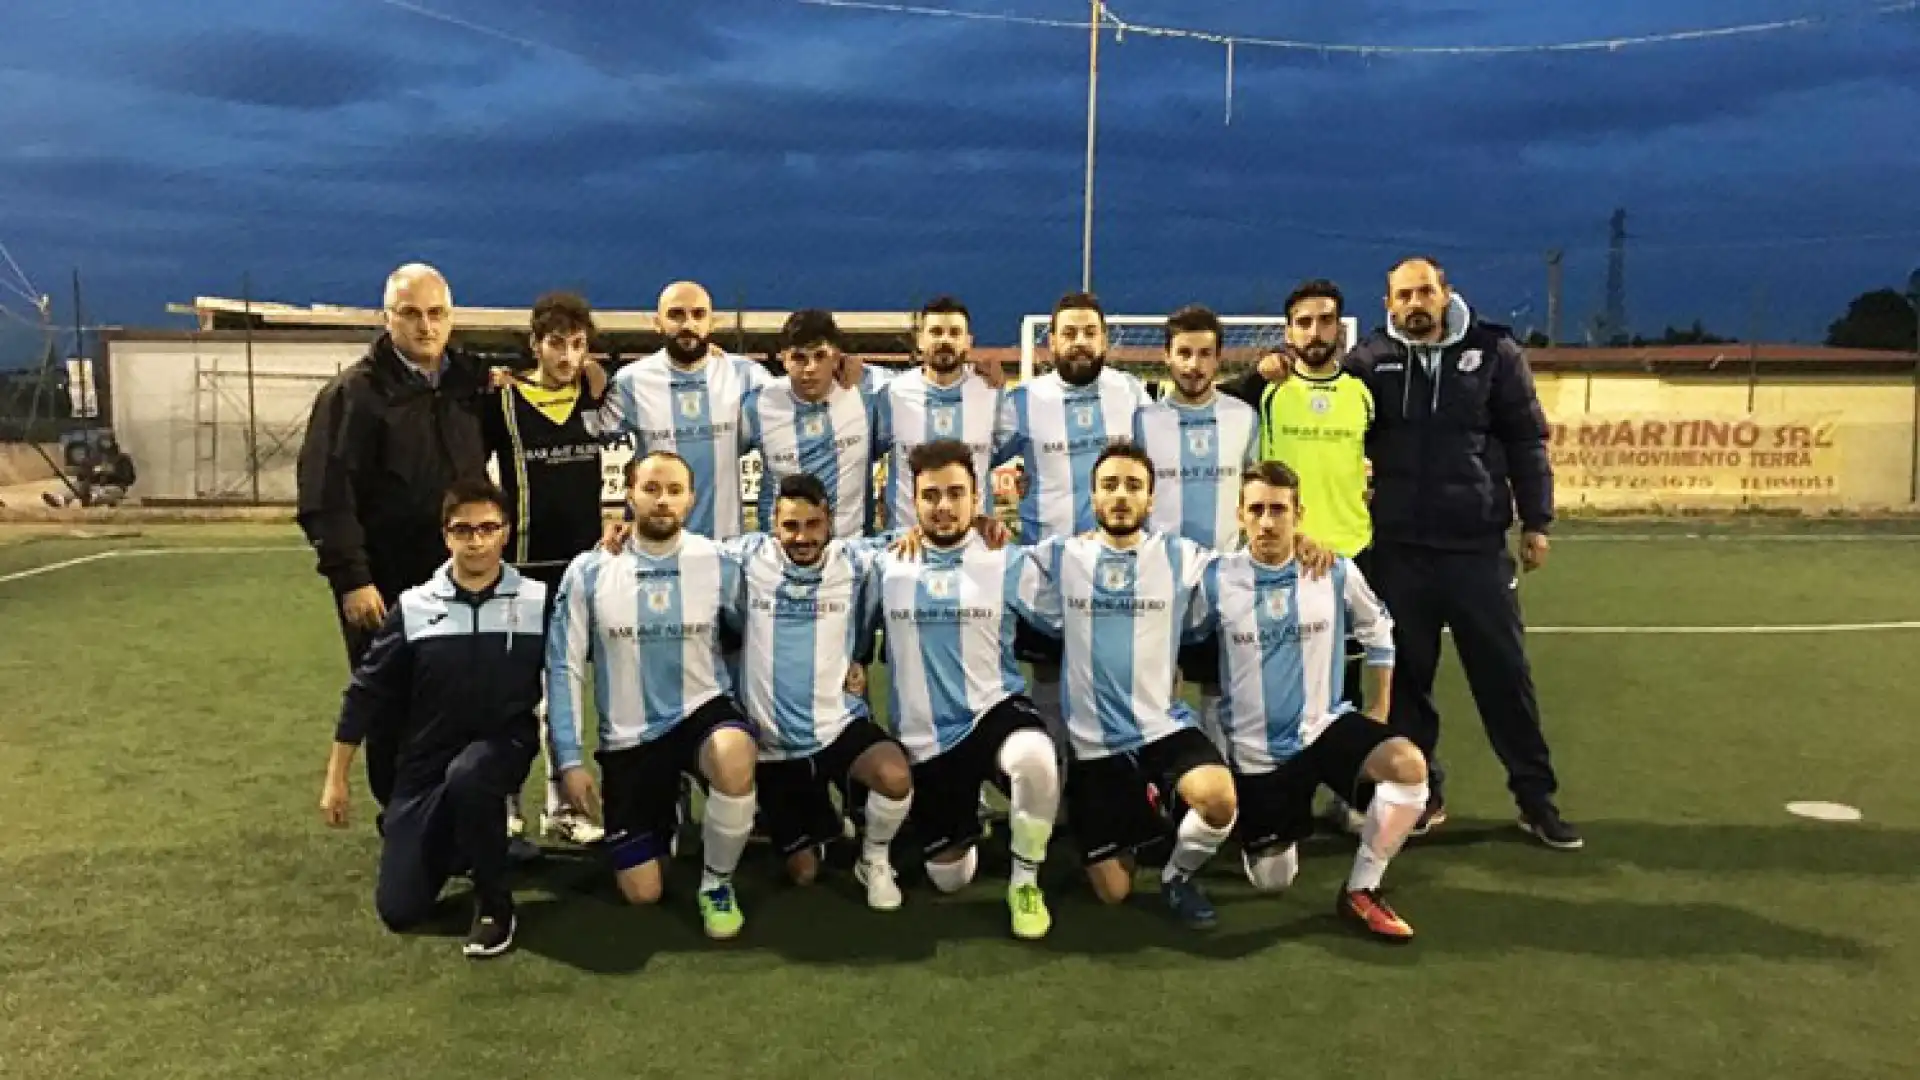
x=795 y=155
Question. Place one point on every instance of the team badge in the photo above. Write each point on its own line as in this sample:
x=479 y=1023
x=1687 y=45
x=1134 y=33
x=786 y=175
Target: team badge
x=658 y=598
x=1083 y=416
x=1470 y=360
x=1321 y=403
x=943 y=422
x=1277 y=604
x=814 y=426
x=1200 y=440
x=940 y=584
x=689 y=403
x=1115 y=577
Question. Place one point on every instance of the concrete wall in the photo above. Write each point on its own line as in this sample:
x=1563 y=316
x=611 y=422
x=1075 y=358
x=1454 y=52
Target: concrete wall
x=180 y=407
x=20 y=463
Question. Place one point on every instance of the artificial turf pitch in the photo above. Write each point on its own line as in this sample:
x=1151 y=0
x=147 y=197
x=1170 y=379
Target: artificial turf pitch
x=170 y=904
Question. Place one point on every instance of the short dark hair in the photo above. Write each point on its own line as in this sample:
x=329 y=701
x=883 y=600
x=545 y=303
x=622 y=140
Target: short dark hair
x=633 y=464
x=1317 y=289
x=939 y=454
x=1273 y=473
x=1121 y=448
x=1194 y=319
x=806 y=487
x=809 y=326
x=945 y=305
x=562 y=313
x=469 y=490
x=1077 y=301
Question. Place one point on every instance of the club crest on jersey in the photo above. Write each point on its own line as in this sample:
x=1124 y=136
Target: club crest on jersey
x=814 y=426
x=943 y=422
x=658 y=598
x=940 y=584
x=1321 y=403
x=689 y=403
x=1470 y=360
x=1200 y=440
x=1083 y=416
x=1115 y=577
x=1277 y=604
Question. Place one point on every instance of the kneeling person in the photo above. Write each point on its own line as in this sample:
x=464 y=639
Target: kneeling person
x=799 y=613
x=1121 y=598
x=958 y=703
x=649 y=617
x=452 y=680
x=1284 y=726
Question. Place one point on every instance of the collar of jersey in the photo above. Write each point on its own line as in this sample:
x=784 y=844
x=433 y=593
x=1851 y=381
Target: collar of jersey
x=1319 y=380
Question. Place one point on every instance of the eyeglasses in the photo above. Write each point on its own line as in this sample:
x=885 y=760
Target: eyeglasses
x=485 y=530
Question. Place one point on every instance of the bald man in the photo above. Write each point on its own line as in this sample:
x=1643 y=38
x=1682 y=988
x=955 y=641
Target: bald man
x=387 y=437
x=685 y=399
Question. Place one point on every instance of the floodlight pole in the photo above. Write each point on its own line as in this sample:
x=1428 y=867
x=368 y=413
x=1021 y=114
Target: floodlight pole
x=1093 y=110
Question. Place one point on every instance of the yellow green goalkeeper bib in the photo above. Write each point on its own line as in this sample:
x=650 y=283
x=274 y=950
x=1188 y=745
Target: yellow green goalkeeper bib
x=1317 y=425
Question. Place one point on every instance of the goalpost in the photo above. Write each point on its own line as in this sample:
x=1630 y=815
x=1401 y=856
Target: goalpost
x=1134 y=339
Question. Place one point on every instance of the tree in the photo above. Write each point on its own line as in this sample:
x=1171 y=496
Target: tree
x=1881 y=319
x=1697 y=334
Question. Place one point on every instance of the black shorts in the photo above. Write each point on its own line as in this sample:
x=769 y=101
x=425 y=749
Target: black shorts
x=794 y=800
x=1107 y=798
x=946 y=789
x=1200 y=661
x=1276 y=808
x=640 y=785
x=1031 y=646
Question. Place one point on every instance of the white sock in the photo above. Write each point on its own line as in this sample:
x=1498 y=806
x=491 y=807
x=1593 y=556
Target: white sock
x=884 y=818
x=1194 y=844
x=1395 y=809
x=723 y=836
x=1027 y=757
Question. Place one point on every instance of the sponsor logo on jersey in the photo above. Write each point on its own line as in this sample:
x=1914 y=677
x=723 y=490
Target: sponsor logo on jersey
x=1470 y=360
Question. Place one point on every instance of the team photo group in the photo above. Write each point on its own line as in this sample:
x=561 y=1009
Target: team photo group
x=1215 y=601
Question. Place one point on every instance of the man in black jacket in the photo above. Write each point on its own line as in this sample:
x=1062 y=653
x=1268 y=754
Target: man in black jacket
x=387 y=437
x=1457 y=442
x=452 y=678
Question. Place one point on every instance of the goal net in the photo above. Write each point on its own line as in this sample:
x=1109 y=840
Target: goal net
x=1137 y=343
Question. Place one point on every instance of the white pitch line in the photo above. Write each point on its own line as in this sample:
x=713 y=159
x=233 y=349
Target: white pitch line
x=114 y=553
x=1762 y=538
x=1787 y=628
x=19 y=575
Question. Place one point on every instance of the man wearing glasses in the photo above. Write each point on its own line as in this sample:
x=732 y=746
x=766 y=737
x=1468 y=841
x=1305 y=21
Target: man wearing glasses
x=387 y=437
x=451 y=681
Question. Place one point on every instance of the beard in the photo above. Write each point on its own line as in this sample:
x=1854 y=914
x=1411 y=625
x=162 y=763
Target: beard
x=947 y=536
x=1316 y=353
x=1080 y=367
x=944 y=361
x=1418 y=323
x=657 y=529
x=1120 y=528
x=682 y=353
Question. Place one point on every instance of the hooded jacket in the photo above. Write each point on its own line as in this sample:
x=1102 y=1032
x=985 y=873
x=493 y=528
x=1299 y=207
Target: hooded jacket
x=1458 y=438
x=381 y=448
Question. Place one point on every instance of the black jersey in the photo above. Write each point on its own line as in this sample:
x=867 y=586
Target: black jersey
x=550 y=470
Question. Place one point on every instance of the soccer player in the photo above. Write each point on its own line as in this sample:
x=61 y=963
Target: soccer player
x=1284 y=728
x=549 y=466
x=809 y=424
x=451 y=679
x=800 y=613
x=1056 y=425
x=648 y=618
x=1121 y=599
x=957 y=701
x=686 y=399
x=943 y=399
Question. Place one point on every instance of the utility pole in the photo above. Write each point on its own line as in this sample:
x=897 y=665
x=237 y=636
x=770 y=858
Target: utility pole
x=253 y=411
x=1093 y=110
x=1554 y=259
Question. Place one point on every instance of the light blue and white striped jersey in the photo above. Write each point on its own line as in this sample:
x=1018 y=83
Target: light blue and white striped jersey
x=695 y=414
x=1198 y=452
x=1283 y=652
x=832 y=439
x=949 y=619
x=800 y=627
x=1121 y=615
x=874 y=378
x=1057 y=431
x=913 y=411
x=649 y=628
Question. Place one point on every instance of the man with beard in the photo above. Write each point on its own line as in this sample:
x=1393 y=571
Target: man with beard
x=1121 y=599
x=1458 y=442
x=649 y=618
x=550 y=471
x=810 y=424
x=386 y=438
x=941 y=400
x=800 y=611
x=958 y=703
x=686 y=399
x=1056 y=425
